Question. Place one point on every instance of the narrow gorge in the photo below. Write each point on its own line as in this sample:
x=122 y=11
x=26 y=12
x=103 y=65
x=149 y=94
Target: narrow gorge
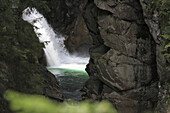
x=125 y=41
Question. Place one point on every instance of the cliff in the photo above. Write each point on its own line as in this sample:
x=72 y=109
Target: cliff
x=66 y=17
x=21 y=57
x=127 y=64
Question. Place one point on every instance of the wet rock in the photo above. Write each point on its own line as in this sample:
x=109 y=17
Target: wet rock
x=66 y=17
x=79 y=41
x=51 y=88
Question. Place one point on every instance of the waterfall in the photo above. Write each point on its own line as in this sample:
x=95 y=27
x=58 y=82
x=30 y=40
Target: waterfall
x=55 y=52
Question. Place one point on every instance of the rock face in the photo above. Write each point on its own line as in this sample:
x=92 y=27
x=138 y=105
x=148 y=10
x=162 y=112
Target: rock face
x=155 y=25
x=123 y=64
x=79 y=41
x=66 y=17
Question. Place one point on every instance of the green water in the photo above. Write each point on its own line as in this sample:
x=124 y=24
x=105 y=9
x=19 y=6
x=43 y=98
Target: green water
x=71 y=81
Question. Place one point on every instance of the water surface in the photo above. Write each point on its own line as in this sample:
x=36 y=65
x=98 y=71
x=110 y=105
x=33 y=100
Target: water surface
x=71 y=81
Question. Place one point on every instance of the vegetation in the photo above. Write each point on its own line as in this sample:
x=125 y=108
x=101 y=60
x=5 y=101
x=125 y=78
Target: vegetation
x=163 y=7
x=22 y=103
x=165 y=27
x=20 y=50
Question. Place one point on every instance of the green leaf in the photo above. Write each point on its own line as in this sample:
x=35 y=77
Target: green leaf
x=167 y=46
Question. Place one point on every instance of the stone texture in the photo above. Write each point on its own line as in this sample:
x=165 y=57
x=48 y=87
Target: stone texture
x=123 y=72
x=79 y=41
x=122 y=67
x=129 y=100
x=51 y=87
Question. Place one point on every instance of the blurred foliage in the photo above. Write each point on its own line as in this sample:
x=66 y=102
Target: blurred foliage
x=23 y=103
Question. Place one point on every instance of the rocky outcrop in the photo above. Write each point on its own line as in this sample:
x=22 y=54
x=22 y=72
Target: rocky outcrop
x=123 y=64
x=66 y=18
x=50 y=87
x=79 y=41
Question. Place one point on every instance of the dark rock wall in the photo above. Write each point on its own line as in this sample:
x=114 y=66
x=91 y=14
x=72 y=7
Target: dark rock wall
x=155 y=24
x=21 y=54
x=123 y=64
x=66 y=19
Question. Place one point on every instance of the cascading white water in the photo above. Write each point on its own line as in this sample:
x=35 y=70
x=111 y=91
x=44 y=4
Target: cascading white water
x=56 y=54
